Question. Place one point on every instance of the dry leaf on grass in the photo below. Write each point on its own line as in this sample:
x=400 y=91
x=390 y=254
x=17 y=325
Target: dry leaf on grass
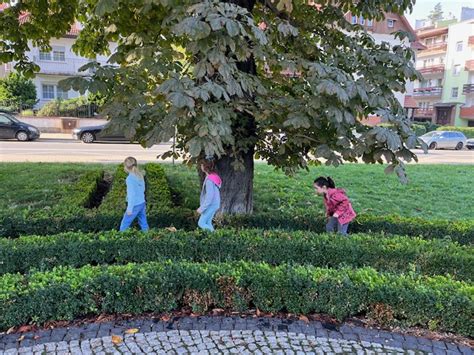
x=10 y=330
x=171 y=229
x=304 y=319
x=20 y=338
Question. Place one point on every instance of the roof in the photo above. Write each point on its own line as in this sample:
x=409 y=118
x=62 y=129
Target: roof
x=410 y=102
x=24 y=17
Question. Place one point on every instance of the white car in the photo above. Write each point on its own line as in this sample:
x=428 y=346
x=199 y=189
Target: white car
x=444 y=140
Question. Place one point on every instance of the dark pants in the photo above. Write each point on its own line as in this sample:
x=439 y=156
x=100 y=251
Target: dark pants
x=333 y=225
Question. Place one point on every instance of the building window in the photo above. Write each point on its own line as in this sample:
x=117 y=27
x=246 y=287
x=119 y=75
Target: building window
x=459 y=46
x=370 y=23
x=441 y=60
x=45 y=55
x=48 y=92
x=390 y=23
x=354 y=20
x=429 y=41
x=362 y=20
x=59 y=54
x=454 y=92
x=61 y=94
x=456 y=70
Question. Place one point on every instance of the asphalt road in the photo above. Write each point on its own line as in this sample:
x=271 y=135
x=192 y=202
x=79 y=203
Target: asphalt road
x=61 y=148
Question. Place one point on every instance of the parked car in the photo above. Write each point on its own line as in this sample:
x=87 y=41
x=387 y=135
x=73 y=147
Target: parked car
x=97 y=134
x=470 y=144
x=444 y=140
x=11 y=128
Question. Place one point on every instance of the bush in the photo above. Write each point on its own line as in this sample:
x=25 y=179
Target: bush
x=395 y=254
x=75 y=107
x=27 y=113
x=468 y=131
x=65 y=293
x=18 y=91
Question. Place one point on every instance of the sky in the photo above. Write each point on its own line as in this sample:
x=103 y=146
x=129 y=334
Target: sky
x=423 y=8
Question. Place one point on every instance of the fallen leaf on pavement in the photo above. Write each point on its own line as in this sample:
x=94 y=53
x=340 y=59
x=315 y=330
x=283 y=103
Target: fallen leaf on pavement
x=131 y=331
x=116 y=339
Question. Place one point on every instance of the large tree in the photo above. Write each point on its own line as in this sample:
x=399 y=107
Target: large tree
x=436 y=14
x=287 y=81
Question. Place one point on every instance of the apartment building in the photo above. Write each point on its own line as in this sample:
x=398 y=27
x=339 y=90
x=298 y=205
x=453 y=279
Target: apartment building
x=445 y=95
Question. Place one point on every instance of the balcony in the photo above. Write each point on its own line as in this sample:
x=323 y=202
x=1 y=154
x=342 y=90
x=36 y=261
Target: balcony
x=425 y=92
x=432 y=49
x=470 y=65
x=432 y=69
x=468 y=89
x=467 y=113
x=70 y=66
x=423 y=113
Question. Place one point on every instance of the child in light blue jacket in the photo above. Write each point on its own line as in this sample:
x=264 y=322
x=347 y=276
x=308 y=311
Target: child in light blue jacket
x=136 y=205
x=210 y=200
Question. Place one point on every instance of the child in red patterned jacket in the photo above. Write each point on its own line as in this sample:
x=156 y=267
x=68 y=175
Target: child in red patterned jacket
x=339 y=209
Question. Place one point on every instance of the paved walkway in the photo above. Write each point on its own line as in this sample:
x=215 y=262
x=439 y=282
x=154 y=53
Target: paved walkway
x=227 y=335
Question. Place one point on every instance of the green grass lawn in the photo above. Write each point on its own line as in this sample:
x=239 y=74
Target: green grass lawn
x=30 y=186
x=433 y=191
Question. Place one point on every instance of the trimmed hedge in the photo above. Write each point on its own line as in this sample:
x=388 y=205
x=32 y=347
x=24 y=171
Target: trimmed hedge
x=406 y=300
x=395 y=254
x=71 y=214
x=158 y=193
x=458 y=231
x=468 y=131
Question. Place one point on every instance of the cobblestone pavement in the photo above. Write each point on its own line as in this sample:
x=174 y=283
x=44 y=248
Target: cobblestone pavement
x=212 y=335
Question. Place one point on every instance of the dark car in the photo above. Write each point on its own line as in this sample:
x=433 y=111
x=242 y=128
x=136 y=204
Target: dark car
x=97 y=134
x=470 y=144
x=11 y=128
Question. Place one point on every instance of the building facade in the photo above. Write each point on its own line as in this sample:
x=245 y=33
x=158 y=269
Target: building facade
x=58 y=64
x=445 y=94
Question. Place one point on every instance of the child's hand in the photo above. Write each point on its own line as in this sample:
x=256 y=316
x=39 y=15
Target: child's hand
x=199 y=211
x=335 y=215
x=129 y=212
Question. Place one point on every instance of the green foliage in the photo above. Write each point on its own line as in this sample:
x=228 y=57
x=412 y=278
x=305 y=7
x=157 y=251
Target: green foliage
x=468 y=131
x=78 y=106
x=394 y=254
x=66 y=293
x=27 y=113
x=294 y=92
x=17 y=91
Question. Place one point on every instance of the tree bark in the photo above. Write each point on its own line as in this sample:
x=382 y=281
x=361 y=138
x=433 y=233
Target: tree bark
x=237 y=185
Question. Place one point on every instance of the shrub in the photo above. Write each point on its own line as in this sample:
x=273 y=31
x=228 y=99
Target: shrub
x=394 y=254
x=75 y=107
x=18 y=91
x=64 y=293
x=27 y=113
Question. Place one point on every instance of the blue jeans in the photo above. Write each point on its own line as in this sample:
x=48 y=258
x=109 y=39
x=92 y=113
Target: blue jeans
x=139 y=211
x=334 y=225
x=205 y=221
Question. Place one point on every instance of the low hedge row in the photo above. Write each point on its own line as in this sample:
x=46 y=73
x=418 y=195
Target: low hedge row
x=407 y=300
x=395 y=254
x=459 y=231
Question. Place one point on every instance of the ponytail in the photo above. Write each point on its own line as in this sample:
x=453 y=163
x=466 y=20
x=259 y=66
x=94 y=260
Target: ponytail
x=131 y=165
x=325 y=181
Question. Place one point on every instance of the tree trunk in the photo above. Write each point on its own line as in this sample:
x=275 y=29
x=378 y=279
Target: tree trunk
x=237 y=185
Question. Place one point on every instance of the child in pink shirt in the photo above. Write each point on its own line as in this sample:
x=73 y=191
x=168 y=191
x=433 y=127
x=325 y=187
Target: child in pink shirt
x=339 y=209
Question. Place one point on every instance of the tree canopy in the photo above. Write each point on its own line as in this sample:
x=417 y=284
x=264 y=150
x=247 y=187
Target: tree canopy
x=287 y=79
